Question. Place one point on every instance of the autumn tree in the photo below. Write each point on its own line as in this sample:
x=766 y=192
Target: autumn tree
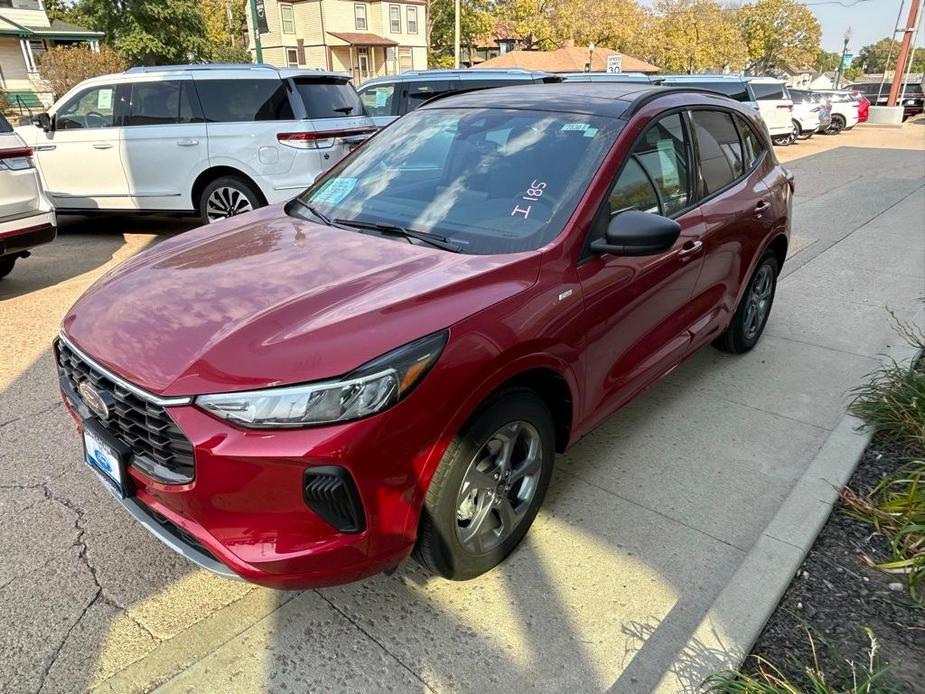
x=65 y=67
x=695 y=36
x=880 y=56
x=530 y=22
x=827 y=61
x=778 y=33
x=224 y=23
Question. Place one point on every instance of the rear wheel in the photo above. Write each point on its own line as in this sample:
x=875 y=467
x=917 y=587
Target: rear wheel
x=6 y=265
x=752 y=314
x=488 y=487
x=837 y=125
x=799 y=133
x=226 y=197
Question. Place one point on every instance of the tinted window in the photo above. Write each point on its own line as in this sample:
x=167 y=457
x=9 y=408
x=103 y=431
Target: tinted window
x=162 y=103
x=734 y=89
x=719 y=147
x=662 y=152
x=490 y=180
x=5 y=126
x=92 y=108
x=633 y=190
x=752 y=144
x=234 y=101
x=379 y=99
x=326 y=98
x=419 y=92
x=770 y=91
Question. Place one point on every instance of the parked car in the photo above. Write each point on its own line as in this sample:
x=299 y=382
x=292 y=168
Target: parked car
x=811 y=112
x=911 y=97
x=844 y=110
x=387 y=98
x=26 y=216
x=387 y=364
x=214 y=139
x=863 y=106
x=744 y=90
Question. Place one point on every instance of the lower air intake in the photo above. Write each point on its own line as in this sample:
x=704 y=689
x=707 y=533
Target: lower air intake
x=330 y=492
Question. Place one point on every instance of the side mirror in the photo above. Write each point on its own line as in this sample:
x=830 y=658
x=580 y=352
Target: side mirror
x=43 y=121
x=638 y=233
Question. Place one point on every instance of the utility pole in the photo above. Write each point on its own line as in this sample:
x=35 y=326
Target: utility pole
x=258 y=49
x=904 y=52
x=456 y=37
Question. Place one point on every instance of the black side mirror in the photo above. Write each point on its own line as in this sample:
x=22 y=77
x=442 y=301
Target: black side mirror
x=43 y=121
x=638 y=233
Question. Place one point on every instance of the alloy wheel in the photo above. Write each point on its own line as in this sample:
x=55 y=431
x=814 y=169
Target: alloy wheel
x=226 y=202
x=759 y=302
x=499 y=487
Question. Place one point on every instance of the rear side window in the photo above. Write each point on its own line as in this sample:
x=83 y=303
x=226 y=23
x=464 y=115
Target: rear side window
x=5 y=126
x=379 y=99
x=235 y=101
x=770 y=91
x=719 y=147
x=751 y=144
x=327 y=98
x=734 y=89
x=419 y=92
x=162 y=103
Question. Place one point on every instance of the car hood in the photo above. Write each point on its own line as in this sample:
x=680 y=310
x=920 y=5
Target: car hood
x=267 y=299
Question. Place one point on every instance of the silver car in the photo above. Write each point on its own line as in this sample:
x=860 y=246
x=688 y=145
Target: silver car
x=27 y=218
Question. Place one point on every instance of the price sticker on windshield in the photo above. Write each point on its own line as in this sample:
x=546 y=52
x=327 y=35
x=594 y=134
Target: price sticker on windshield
x=533 y=194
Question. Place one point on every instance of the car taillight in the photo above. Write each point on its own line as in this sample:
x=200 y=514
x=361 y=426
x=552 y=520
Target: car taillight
x=785 y=107
x=16 y=159
x=323 y=139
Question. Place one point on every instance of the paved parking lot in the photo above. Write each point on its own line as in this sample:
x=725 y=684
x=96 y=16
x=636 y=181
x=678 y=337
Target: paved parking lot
x=645 y=523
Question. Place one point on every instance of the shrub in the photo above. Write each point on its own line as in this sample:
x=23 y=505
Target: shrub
x=66 y=67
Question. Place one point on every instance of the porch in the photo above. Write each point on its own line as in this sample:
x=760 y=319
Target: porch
x=366 y=55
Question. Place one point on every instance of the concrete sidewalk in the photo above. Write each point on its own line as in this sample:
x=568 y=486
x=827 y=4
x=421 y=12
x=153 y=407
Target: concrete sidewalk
x=647 y=522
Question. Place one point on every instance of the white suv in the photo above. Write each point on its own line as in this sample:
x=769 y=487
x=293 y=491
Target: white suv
x=215 y=139
x=26 y=216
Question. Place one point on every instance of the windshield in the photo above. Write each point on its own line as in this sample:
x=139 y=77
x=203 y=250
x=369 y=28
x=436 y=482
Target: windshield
x=489 y=180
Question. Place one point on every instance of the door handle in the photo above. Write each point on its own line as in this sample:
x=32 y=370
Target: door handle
x=761 y=208
x=46 y=148
x=690 y=249
x=187 y=143
x=102 y=145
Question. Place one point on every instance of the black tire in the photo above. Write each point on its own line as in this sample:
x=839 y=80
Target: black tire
x=439 y=547
x=233 y=195
x=742 y=333
x=837 y=125
x=6 y=266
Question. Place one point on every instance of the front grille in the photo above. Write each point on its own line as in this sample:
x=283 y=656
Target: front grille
x=159 y=448
x=330 y=492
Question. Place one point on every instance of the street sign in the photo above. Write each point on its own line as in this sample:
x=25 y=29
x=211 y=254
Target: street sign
x=615 y=63
x=846 y=60
x=262 y=25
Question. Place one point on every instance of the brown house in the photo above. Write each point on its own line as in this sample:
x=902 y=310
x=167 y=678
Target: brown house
x=567 y=59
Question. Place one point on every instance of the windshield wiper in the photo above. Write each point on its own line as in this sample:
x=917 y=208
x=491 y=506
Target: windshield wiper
x=435 y=240
x=321 y=215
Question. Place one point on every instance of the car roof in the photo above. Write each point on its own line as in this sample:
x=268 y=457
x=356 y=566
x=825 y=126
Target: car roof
x=701 y=78
x=514 y=74
x=256 y=69
x=610 y=99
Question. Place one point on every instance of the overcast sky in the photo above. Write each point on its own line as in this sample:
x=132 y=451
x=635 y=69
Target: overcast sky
x=870 y=21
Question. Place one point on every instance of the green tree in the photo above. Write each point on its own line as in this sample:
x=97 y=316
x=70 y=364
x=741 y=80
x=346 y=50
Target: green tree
x=695 y=36
x=873 y=57
x=150 y=32
x=224 y=23
x=827 y=61
x=779 y=33
x=617 y=24
x=530 y=22
x=475 y=20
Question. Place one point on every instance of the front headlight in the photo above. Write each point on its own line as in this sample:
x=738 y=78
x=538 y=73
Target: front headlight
x=373 y=387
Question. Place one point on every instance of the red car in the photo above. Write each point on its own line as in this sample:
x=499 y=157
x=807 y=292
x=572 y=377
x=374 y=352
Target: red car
x=306 y=394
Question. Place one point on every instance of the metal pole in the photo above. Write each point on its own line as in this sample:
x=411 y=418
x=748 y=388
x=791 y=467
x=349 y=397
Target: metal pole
x=258 y=49
x=904 y=52
x=889 y=55
x=456 y=37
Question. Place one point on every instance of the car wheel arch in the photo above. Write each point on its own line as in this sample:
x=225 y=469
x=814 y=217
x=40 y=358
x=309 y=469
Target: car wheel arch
x=214 y=172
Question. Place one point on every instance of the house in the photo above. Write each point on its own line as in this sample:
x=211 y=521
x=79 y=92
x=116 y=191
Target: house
x=804 y=77
x=498 y=41
x=26 y=33
x=367 y=39
x=566 y=59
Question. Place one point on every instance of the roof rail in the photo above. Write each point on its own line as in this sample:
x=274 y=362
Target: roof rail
x=201 y=66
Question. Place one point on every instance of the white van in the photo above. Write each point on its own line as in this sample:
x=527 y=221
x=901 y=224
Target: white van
x=218 y=140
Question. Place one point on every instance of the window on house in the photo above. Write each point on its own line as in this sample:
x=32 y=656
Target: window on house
x=288 y=19
x=292 y=57
x=412 y=20
x=359 y=16
x=405 y=60
x=395 y=19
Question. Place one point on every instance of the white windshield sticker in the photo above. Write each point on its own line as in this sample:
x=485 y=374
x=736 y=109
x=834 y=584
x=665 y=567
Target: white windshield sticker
x=334 y=190
x=382 y=96
x=575 y=126
x=104 y=99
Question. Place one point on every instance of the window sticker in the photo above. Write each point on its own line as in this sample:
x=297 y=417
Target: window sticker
x=575 y=126
x=334 y=190
x=381 y=98
x=104 y=99
x=590 y=132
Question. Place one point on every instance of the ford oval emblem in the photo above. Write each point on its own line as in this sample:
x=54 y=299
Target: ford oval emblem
x=93 y=400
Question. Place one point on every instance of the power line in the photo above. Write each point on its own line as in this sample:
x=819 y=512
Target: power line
x=835 y=2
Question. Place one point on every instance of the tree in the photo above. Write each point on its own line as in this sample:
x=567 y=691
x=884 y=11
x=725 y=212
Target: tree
x=616 y=24
x=873 y=57
x=530 y=22
x=225 y=23
x=475 y=20
x=150 y=32
x=695 y=36
x=67 y=66
x=779 y=33
x=827 y=61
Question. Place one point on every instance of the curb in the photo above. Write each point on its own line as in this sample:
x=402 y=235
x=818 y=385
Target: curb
x=732 y=624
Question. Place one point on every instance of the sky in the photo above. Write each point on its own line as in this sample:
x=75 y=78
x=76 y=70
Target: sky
x=870 y=21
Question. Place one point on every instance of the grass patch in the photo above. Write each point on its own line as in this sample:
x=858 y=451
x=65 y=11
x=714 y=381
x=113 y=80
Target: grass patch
x=867 y=677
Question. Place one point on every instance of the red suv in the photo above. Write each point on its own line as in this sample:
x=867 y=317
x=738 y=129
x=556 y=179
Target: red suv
x=306 y=394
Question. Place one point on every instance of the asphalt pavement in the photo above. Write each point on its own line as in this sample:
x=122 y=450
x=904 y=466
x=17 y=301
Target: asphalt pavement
x=647 y=523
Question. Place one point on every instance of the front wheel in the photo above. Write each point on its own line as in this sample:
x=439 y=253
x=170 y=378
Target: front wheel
x=752 y=314
x=226 y=197
x=488 y=487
